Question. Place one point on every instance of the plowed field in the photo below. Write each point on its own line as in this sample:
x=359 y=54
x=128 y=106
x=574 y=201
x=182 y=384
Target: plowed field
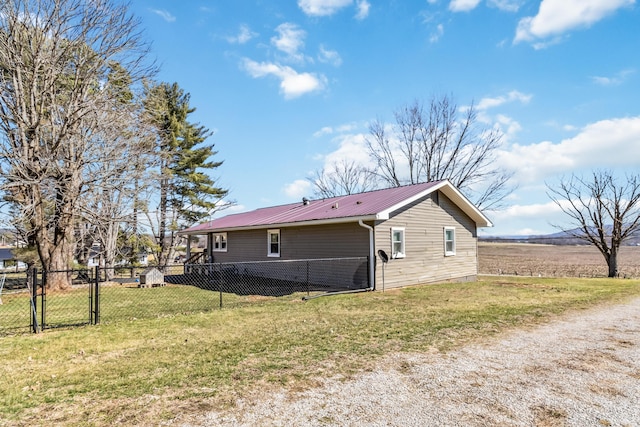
x=525 y=259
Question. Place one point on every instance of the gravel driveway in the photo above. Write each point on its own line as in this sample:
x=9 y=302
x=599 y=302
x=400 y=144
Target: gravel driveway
x=582 y=369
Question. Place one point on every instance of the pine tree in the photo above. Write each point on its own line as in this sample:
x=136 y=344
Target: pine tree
x=186 y=193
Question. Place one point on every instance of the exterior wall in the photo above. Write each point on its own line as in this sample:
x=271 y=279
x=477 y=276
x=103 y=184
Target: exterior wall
x=311 y=242
x=425 y=260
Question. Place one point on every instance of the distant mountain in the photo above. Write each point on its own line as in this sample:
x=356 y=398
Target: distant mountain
x=559 y=238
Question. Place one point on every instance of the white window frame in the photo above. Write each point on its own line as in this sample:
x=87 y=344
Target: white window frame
x=402 y=252
x=219 y=242
x=451 y=252
x=269 y=252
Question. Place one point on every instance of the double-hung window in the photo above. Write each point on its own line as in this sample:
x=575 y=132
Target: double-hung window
x=449 y=241
x=273 y=243
x=397 y=243
x=220 y=242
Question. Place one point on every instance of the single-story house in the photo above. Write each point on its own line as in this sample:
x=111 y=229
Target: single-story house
x=9 y=261
x=427 y=232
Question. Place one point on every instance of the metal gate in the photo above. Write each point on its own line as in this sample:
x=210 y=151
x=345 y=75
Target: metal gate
x=72 y=307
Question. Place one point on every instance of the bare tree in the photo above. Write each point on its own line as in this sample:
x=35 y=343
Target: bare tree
x=57 y=107
x=603 y=211
x=435 y=144
x=343 y=177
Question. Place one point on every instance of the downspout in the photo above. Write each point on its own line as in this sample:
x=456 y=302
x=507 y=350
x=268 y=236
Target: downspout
x=372 y=280
x=372 y=257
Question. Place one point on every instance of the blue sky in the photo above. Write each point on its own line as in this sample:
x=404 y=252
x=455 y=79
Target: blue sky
x=290 y=86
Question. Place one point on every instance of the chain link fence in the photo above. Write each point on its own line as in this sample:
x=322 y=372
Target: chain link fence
x=104 y=295
x=14 y=302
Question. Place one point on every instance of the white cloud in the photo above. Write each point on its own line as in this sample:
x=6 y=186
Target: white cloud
x=322 y=7
x=506 y=5
x=463 y=5
x=290 y=40
x=609 y=143
x=527 y=219
x=437 y=33
x=514 y=95
x=292 y=83
x=526 y=211
x=329 y=56
x=556 y=17
x=330 y=7
x=615 y=80
x=298 y=189
x=363 y=9
x=508 y=126
x=164 y=15
x=328 y=130
x=244 y=35
x=352 y=147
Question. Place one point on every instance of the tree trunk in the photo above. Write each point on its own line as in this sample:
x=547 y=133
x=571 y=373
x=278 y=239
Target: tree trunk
x=58 y=267
x=612 y=262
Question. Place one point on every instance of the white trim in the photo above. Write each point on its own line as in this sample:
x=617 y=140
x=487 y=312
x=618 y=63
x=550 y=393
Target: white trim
x=452 y=193
x=223 y=242
x=451 y=252
x=271 y=232
x=403 y=252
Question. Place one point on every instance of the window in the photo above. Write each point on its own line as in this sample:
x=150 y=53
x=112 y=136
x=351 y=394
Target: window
x=220 y=242
x=397 y=243
x=449 y=241
x=273 y=243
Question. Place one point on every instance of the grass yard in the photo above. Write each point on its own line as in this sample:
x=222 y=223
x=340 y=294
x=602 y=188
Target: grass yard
x=154 y=370
x=118 y=302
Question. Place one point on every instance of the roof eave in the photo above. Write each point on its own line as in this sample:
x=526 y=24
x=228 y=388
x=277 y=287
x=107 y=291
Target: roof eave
x=341 y=220
x=450 y=191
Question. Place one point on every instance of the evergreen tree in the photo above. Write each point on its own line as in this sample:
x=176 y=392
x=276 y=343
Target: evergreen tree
x=186 y=193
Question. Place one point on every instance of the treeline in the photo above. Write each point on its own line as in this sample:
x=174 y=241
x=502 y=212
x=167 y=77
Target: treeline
x=94 y=153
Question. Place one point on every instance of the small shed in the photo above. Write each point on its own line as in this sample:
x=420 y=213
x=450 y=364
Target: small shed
x=151 y=277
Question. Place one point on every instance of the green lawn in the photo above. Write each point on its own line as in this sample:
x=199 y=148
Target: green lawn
x=118 y=303
x=150 y=370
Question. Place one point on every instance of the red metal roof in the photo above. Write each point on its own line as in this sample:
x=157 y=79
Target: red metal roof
x=367 y=205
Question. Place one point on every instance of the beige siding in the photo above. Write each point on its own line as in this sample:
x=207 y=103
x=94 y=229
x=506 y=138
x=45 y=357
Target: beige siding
x=425 y=261
x=327 y=241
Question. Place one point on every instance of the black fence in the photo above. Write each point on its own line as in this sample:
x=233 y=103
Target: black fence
x=102 y=295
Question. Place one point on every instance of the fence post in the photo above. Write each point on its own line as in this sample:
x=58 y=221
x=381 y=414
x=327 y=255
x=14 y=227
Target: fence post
x=369 y=271
x=308 y=278
x=96 y=296
x=90 y=280
x=211 y=275
x=34 y=296
x=43 y=297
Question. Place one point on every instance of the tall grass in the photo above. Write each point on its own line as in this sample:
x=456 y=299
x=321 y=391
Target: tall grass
x=146 y=371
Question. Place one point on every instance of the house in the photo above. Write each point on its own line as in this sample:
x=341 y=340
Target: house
x=96 y=255
x=428 y=233
x=8 y=260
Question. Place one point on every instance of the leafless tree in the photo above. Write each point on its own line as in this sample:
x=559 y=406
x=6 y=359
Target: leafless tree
x=603 y=211
x=343 y=177
x=58 y=108
x=434 y=144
